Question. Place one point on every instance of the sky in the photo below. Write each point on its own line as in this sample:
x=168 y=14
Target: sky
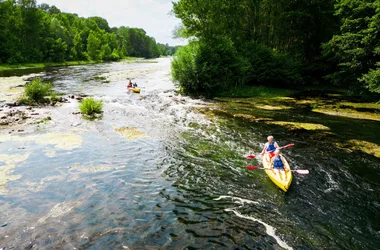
x=151 y=15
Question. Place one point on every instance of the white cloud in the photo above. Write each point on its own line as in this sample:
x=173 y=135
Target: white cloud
x=151 y=15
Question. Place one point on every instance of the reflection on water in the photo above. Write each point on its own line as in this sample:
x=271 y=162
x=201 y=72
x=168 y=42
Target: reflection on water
x=154 y=172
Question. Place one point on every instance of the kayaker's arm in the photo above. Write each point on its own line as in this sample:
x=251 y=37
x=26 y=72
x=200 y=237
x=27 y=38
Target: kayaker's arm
x=276 y=145
x=265 y=148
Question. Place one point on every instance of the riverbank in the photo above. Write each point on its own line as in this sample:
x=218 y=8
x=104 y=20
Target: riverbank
x=6 y=67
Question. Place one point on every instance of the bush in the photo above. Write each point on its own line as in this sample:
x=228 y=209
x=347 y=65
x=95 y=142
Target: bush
x=265 y=66
x=90 y=106
x=36 y=91
x=213 y=66
x=205 y=66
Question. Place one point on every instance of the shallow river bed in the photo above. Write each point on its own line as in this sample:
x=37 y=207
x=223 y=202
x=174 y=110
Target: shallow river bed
x=163 y=171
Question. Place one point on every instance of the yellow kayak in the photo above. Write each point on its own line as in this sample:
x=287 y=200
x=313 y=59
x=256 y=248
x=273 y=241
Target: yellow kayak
x=135 y=90
x=284 y=184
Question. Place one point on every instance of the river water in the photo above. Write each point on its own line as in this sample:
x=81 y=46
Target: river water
x=155 y=173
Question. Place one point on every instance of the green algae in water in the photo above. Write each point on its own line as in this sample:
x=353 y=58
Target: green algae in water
x=348 y=113
x=13 y=159
x=271 y=107
x=5 y=176
x=60 y=141
x=360 y=145
x=300 y=125
x=6 y=170
x=131 y=133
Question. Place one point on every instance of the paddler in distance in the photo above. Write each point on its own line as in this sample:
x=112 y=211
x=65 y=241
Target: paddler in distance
x=130 y=85
x=277 y=165
x=270 y=147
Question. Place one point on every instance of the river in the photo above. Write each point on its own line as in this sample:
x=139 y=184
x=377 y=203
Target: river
x=157 y=171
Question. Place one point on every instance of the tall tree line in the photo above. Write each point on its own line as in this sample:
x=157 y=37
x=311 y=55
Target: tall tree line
x=42 y=33
x=278 y=42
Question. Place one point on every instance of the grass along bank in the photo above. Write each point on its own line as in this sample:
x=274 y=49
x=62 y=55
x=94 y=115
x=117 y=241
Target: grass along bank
x=6 y=67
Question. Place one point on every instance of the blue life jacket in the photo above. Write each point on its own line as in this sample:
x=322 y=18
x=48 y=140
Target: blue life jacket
x=277 y=163
x=271 y=147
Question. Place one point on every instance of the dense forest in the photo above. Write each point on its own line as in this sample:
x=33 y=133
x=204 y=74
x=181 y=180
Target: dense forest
x=42 y=33
x=279 y=43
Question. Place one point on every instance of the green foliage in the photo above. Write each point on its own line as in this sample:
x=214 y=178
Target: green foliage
x=90 y=106
x=372 y=80
x=93 y=47
x=355 y=50
x=36 y=91
x=212 y=66
x=203 y=69
x=246 y=43
x=23 y=100
x=262 y=65
x=54 y=97
x=166 y=50
x=30 y=33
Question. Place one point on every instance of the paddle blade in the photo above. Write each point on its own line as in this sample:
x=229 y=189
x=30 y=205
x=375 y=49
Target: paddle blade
x=289 y=145
x=252 y=167
x=250 y=157
x=302 y=171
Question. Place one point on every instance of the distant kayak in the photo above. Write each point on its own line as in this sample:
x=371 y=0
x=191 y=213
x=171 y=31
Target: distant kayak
x=283 y=184
x=135 y=90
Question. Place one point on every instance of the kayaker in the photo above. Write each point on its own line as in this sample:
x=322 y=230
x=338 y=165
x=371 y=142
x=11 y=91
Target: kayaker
x=130 y=85
x=277 y=164
x=135 y=85
x=270 y=146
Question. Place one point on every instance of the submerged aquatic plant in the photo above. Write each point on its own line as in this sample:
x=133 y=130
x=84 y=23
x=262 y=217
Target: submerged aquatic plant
x=91 y=107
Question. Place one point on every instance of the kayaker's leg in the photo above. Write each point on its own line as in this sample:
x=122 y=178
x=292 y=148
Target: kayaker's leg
x=283 y=175
x=280 y=174
x=277 y=172
x=268 y=155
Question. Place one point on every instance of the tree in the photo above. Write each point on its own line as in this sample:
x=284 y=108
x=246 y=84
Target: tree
x=93 y=46
x=270 y=39
x=356 y=48
x=32 y=33
x=106 y=52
